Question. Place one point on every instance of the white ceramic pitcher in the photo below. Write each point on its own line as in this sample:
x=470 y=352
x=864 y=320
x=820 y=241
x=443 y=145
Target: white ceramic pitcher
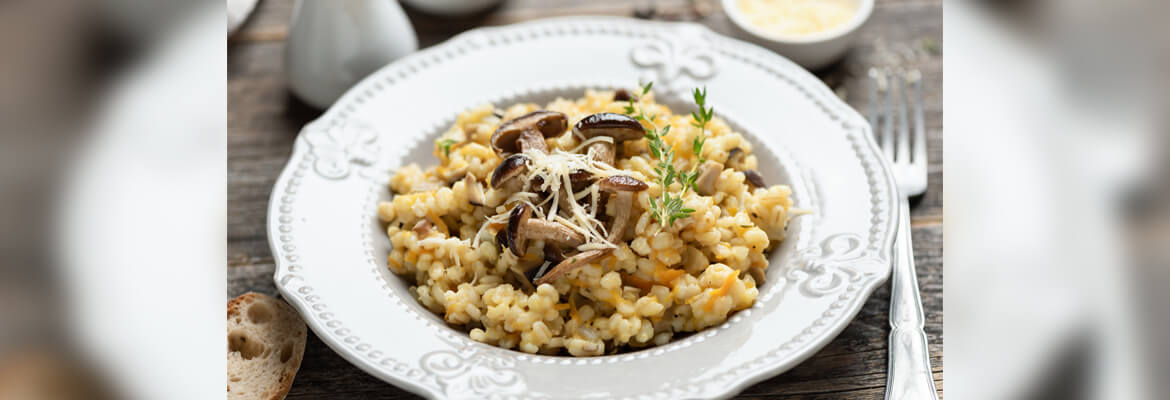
x=333 y=44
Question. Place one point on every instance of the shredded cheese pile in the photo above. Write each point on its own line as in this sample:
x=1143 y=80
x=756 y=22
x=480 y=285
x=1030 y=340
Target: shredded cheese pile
x=797 y=17
x=555 y=168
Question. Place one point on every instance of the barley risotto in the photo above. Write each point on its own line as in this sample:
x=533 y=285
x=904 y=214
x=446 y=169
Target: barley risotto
x=588 y=226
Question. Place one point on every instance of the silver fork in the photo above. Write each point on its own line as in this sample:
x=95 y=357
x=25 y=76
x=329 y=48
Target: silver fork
x=910 y=375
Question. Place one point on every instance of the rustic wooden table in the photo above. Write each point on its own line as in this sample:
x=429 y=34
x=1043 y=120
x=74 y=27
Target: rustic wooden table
x=264 y=118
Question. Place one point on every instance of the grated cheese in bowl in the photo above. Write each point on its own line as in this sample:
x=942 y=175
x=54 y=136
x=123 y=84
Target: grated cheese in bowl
x=797 y=17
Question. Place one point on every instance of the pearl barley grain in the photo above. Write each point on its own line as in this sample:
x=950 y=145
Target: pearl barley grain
x=644 y=292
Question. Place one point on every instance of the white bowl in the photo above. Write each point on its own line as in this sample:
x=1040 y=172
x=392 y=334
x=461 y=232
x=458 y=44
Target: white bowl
x=812 y=51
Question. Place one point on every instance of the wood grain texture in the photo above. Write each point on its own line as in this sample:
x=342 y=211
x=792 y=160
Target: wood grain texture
x=263 y=120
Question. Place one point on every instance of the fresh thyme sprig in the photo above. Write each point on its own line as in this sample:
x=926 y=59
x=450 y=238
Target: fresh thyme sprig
x=700 y=119
x=669 y=208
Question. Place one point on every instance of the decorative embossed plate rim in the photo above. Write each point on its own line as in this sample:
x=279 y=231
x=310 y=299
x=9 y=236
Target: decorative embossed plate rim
x=822 y=276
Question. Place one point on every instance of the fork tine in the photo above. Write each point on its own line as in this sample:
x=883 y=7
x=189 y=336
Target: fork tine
x=903 y=123
x=887 y=139
x=919 y=124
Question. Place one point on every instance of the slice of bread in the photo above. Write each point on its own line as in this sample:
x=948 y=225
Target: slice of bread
x=266 y=342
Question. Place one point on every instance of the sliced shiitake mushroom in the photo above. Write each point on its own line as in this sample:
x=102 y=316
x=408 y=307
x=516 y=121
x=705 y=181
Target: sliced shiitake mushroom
x=522 y=228
x=502 y=238
x=525 y=278
x=621 y=183
x=552 y=231
x=576 y=261
x=602 y=152
x=620 y=127
x=553 y=255
x=617 y=126
x=754 y=178
x=623 y=188
x=581 y=179
x=517 y=242
x=512 y=167
x=536 y=185
x=708 y=177
x=528 y=132
x=623 y=202
x=736 y=158
x=623 y=95
x=566 y=202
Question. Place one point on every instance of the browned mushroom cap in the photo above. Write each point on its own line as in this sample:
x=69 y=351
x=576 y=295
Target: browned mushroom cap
x=474 y=190
x=513 y=166
x=517 y=242
x=708 y=176
x=618 y=126
x=622 y=95
x=736 y=158
x=580 y=259
x=522 y=227
x=553 y=253
x=621 y=183
x=623 y=188
x=754 y=178
x=524 y=278
x=556 y=232
x=528 y=131
x=580 y=179
x=502 y=238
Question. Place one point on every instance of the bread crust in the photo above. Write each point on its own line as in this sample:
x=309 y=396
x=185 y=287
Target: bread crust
x=271 y=327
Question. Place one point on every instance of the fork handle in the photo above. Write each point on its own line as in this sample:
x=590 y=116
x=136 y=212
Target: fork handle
x=910 y=376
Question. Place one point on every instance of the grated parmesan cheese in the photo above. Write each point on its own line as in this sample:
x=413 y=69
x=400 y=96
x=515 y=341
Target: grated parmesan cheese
x=495 y=219
x=595 y=139
x=556 y=168
x=797 y=17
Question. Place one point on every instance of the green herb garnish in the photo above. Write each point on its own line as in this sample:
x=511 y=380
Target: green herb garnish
x=669 y=207
x=699 y=119
x=445 y=144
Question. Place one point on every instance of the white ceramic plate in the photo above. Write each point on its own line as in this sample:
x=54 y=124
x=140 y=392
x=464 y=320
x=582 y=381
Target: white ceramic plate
x=331 y=252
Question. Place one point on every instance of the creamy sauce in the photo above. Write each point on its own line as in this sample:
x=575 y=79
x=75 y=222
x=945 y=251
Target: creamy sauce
x=797 y=17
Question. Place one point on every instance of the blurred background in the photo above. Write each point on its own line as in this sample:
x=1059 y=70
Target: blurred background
x=112 y=199
x=1056 y=208
x=121 y=118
